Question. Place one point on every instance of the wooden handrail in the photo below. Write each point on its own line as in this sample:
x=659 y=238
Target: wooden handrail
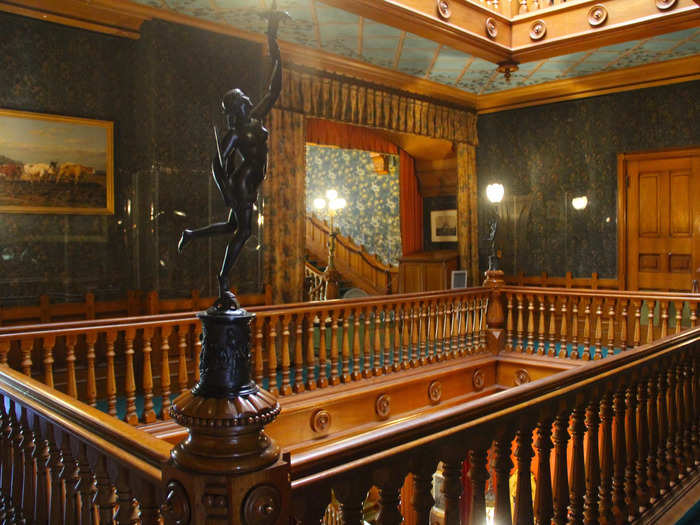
x=353 y=261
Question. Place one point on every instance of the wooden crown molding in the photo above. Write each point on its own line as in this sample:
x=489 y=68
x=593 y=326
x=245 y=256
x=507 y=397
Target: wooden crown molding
x=669 y=72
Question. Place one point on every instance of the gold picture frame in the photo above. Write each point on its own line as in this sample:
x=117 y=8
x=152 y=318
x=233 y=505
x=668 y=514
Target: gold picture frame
x=55 y=164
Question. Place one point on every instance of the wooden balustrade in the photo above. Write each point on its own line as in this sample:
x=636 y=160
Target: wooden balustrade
x=352 y=261
x=588 y=324
x=611 y=415
x=134 y=304
x=126 y=368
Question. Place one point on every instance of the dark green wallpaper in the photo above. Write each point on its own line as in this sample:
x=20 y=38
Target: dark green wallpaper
x=371 y=217
x=547 y=155
x=162 y=92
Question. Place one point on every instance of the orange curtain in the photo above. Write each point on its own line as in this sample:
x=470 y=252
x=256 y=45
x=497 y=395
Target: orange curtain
x=410 y=205
x=321 y=131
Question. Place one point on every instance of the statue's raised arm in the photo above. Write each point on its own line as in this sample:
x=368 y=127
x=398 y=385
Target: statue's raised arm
x=274 y=84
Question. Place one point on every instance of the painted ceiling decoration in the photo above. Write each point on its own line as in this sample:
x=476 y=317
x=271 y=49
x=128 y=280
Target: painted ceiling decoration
x=338 y=32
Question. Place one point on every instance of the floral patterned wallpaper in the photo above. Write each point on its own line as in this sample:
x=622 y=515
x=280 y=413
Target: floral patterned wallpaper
x=371 y=217
x=547 y=155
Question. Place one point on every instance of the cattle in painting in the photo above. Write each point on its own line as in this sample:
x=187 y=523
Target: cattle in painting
x=11 y=171
x=38 y=172
x=70 y=172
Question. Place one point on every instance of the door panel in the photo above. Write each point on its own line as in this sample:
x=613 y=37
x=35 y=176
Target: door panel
x=663 y=221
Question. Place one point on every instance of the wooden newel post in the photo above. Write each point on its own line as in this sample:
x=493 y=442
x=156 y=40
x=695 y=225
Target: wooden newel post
x=495 y=316
x=227 y=469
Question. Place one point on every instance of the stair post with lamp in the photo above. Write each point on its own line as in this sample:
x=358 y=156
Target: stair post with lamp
x=332 y=204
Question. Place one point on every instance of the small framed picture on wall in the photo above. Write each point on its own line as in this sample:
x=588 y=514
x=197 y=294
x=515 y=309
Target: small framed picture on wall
x=443 y=226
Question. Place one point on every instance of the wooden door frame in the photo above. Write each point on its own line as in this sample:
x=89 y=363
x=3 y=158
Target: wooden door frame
x=686 y=151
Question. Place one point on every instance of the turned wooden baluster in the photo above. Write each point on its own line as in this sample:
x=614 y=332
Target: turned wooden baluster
x=345 y=348
x=509 y=321
x=286 y=387
x=482 y=323
x=520 y=328
x=680 y=423
x=530 y=346
x=423 y=501
x=165 y=333
x=606 y=459
x=71 y=381
x=352 y=494
x=664 y=318
x=388 y=364
x=422 y=345
x=637 y=331
x=449 y=326
x=661 y=471
x=390 y=482
x=182 y=332
x=128 y=512
x=452 y=488
x=4 y=449
x=42 y=486
x=272 y=355
x=197 y=338
x=678 y=307
x=377 y=368
x=561 y=480
x=323 y=354
x=642 y=430
x=28 y=470
x=69 y=475
x=406 y=337
x=650 y=321
x=149 y=504
x=578 y=473
x=688 y=434
x=149 y=415
x=590 y=505
x=672 y=428
x=26 y=347
x=502 y=466
x=693 y=313
x=55 y=466
x=543 y=505
x=653 y=422
x=396 y=322
x=14 y=439
x=91 y=385
x=523 y=514
x=471 y=307
x=631 y=449
x=105 y=498
x=129 y=379
x=311 y=380
x=541 y=324
x=586 y=355
x=85 y=486
x=299 y=354
x=610 y=344
x=462 y=327
x=564 y=326
x=366 y=348
x=598 y=331
x=111 y=386
x=478 y=474
x=551 y=342
x=356 y=373
x=623 y=325
x=258 y=360
x=48 y=343
x=4 y=350
x=574 y=328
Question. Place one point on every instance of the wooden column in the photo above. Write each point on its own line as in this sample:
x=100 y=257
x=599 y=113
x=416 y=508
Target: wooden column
x=467 y=222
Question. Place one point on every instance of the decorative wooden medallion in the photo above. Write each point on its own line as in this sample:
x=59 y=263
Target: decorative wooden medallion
x=320 y=421
x=382 y=406
x=262 y=505
x=597 y=15
x=538 y=29
x=478 y=379
x=664 y=5
x=444 y=9
x=521 y=377
x=435 y=392
x=491 y=29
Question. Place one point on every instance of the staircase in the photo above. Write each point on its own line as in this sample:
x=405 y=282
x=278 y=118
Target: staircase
x=358 y=268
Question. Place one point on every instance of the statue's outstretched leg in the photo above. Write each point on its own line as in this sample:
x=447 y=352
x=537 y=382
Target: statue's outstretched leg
x=233 y=250
x=219 y=228
x=222 y=182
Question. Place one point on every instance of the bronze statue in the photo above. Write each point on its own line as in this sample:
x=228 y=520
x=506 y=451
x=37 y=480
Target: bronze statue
x=239 y=185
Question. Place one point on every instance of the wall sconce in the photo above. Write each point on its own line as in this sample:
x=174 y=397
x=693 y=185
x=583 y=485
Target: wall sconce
x=579 y=203
x=494 y=193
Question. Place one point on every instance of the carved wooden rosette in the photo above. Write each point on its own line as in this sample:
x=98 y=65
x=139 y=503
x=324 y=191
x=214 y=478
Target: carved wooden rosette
x=225 y=407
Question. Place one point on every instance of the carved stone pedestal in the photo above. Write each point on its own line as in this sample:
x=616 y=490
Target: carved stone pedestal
x=227 y=468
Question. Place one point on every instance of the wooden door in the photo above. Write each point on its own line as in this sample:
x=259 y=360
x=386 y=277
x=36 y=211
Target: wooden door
x=663 y=220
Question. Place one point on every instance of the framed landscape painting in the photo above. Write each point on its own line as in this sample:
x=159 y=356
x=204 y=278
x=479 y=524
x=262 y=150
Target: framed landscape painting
x=55 y=164
x=443 y=226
